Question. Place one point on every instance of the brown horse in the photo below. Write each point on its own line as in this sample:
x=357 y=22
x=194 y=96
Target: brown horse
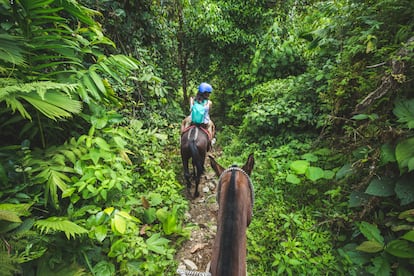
x=235 y=197
x=194 y=146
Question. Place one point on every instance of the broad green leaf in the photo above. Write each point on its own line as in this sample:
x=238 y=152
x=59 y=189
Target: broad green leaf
x=410 y=164
x=102 y=144
x=381 y=187
x=97 y=80
x=299 y=166
x=294 y=262
x=409 y=236
x=118 y=248
x=104 y=193
x=370 y=247
x=109 y=210
x=170 y=226
x=119 y=223
x=155 y=199
x=9 y=216
x=314 y=173
x=387 y=154
x=161 y=136
x=357 y=199
x=292 y=178
x=19 y=209
x=360 y=117
x=90 y=87
x=150 y=215
x=343 y=172
x=310 y=157
x=95 y=155
x=381 y=267
x=157 y=244
x=404 y=110
x=99 y=122
x=121 y=143
x=128 y=216
x=162 y=214
x=400 y=248
x=371 y=232
x=405 y=190
x=404 y=152
x=100 y=217
x=104 y=268
x=68 y=192
x=350 y=252
x=323 y=152
x=328 y=174
x=100 y=232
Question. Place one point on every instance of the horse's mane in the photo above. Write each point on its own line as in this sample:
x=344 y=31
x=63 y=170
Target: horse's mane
x=235 y=196
x=229 y=231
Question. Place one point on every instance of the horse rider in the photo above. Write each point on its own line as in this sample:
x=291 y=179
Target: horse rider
x=204 y=91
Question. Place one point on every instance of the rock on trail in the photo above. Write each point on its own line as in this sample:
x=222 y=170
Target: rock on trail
x=195 y=253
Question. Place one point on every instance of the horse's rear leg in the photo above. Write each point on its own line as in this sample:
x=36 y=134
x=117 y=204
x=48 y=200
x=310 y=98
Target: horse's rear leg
x=187 y=175
x=197 y=181
x=196 y=175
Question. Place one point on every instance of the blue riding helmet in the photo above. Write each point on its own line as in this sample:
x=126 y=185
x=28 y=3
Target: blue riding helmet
x=205 y=87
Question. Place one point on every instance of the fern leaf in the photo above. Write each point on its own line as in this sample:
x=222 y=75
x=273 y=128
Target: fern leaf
x=9 y=264
x=62 y=224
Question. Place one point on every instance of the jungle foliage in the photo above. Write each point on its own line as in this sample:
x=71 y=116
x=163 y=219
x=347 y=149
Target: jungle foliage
x=92 y=92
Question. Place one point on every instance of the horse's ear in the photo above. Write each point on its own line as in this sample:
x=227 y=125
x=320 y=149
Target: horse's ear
x=216 y=166
x=248 y=167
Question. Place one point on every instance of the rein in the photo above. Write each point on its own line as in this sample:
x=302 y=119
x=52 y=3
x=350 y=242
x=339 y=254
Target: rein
x=231 y=169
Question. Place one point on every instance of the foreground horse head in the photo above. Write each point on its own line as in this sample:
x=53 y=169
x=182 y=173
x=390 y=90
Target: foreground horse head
x=235 y=197
x=194 y=145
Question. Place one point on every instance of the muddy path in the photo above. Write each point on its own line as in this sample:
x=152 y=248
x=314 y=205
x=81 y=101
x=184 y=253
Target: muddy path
x=195 y=253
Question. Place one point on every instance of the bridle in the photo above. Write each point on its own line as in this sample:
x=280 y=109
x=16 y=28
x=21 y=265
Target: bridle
x=231 y=169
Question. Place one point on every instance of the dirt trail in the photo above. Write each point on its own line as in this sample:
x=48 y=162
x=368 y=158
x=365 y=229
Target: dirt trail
x=195 y=253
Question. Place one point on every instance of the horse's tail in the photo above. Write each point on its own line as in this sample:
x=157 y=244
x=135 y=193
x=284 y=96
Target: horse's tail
x=197 y=159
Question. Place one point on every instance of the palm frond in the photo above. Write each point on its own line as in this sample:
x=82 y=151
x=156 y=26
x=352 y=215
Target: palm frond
x=54 y=178
x=54 y=105
x=62 y=224
x=78 y=11
x=50 y=98
x=11 y=49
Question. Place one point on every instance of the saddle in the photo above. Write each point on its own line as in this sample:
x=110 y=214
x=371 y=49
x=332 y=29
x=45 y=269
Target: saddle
x=202 y=127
